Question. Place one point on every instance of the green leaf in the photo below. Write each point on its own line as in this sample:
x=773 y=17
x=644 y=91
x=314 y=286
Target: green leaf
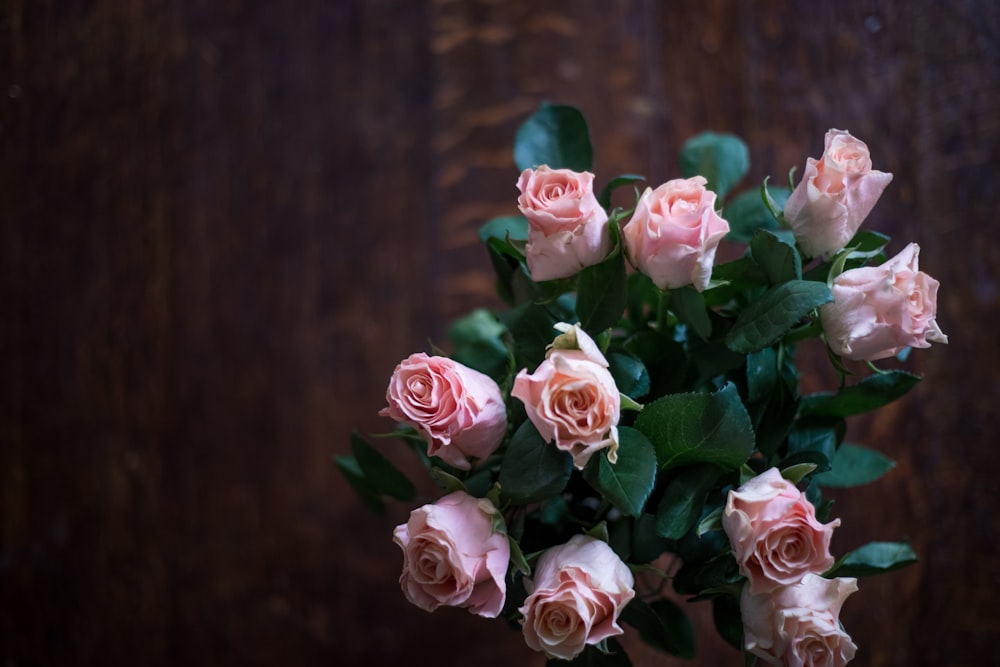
x=775 y=198
x=662 y=624
x=531 y=326
x=379 y=472
x=604 y=199
x=502 y=228
x=556 y=135
x=627 y=483
x=699 y=428
x=747 y=212
x=593 y=656
x=646 y=545
x=688 y=305
x=682 y=503
x=762 y=374
x=601 y=291
x=854 y=465
x=780 y=261
x=766 y=320
x=797 y=472
x=366 y=491
x=630 y=374
x=717 y=573
x=871 y=393
x=873 y=558
x=723 y=159
x=712 y=521
x=517 y=558
x=728 y=620
x=532 y=468
x=476 y=341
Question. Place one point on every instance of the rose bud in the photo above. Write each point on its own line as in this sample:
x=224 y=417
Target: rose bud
x=799 y=624
x=459 y=411
x=571 y=397
x=835 y=195
x=578 y=590
x=568 y=229
x=452 y=557
x=880 y=310
x=774 y=533
x=674 y=233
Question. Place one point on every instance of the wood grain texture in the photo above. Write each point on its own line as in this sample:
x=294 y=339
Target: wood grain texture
x=223 y=223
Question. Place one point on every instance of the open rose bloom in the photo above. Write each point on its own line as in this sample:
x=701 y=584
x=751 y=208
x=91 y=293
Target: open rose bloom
x=880 y=310
x=575 y=596
x=835 y=195
x=572 y=399
x=568 y=229
x=459 y=411
x=800 y=624
x=452 y=557
x=774 y=533
x=674 y=234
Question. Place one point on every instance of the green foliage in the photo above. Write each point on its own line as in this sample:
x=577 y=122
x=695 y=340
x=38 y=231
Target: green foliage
x=747 y=212
x=601 y=292
x=556 y=135
x=699 y=428
x=854 y=465
x=532 y=469
x=871 y=393
x=684 y=499
x=628 y=482
x=873 y=558
x=766 y=320
x=663 y=625
x=723 y=159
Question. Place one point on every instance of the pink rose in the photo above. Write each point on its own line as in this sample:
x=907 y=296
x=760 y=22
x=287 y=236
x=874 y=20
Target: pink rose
x=879 y=310
x=452 y=557
x=578 y=591
x=568 y=228
x=674 y=233
x=799 y=625
x=835 y=195
x=774 y=532
x=459 y=411
x=571 y=397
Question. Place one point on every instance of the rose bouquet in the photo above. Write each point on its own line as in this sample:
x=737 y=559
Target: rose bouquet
x=623 y=438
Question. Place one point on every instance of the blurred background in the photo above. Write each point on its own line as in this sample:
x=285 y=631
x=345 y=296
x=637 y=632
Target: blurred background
x=223 y=222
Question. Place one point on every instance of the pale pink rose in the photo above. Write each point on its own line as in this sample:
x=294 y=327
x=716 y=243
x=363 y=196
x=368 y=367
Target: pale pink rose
x=799 y=625
x=572 y=399
x=452 y=557
x=568 y=229
x=577 y=592
x=774 y=532
x=835 y=195
x=674 y=233
x=879 y=310
x=459 y=411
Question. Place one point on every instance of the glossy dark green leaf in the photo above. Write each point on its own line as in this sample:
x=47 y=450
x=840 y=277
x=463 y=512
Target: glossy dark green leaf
x=766 y=320
x=871 y=393
x=531 y=325
x=604 y=199
x=628 y=482
x=513 y=227
x=601 y=292
x=662 y=624
x=873 y=558
x=556 y=135
x=646 y=545
x=854 y=465
x=699 y=428
x=630 y=374
x=533 y=469
x=780 y=261
x=366 y=491
x=380 y=472
x=689 y=306
x=723 y=159
x=728 y=620
x=477 y=342
x=746 y=213
x=684 y=498
x=762 y=374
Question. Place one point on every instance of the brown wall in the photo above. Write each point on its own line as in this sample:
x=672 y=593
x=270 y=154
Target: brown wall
x=223 y=222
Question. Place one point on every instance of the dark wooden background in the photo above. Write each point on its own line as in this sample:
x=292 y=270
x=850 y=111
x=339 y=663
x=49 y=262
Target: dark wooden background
x=222 y=223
